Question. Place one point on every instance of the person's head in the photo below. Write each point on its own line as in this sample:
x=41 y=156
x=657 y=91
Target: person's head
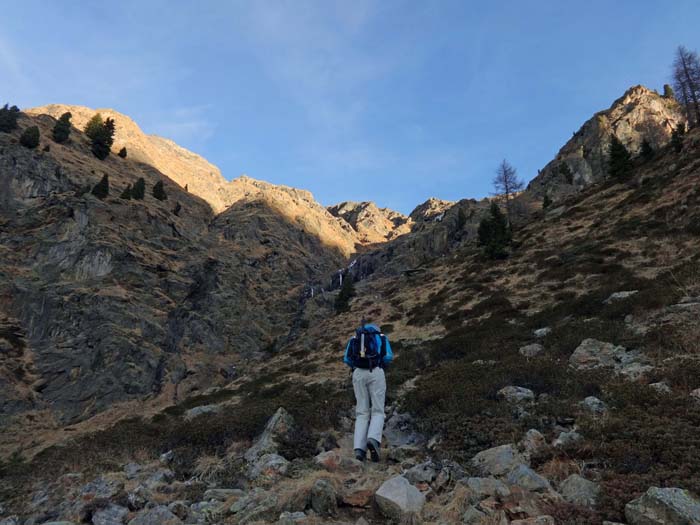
x=365 y=321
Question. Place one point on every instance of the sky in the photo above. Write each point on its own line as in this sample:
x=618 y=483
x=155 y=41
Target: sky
x=390 y=101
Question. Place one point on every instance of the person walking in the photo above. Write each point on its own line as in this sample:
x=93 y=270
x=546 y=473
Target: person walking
x=367 y=353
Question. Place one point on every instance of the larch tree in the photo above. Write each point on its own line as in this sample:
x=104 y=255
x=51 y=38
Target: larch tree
x=686 y=83
x=507 y=185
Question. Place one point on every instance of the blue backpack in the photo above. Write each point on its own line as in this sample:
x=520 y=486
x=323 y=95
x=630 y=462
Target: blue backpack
x=364 y=352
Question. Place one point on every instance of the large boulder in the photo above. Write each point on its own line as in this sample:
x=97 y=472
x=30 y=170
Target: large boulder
x=110 y=515
x=531 y=350
x=579 y=491
x=664 y=506
x=497 y=461
x=268 y=467
x=324 y=499
x=532 y=443
x=482 y=488
x=594 y=406
x=278 y=428
x=158 y=515
x=523 y=476
x=591 y=354
x=399 y=500
x=516 y=394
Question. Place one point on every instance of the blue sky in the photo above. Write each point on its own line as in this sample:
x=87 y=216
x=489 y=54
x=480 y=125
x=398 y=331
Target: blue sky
x=390 y=101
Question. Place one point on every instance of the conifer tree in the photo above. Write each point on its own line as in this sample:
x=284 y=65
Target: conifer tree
x=668 y=92
x=177 y=209
x=347 y=292
x=139 y=190
x=8 y=118
x=159 y=191
x=566 y=172
x=494 y=234
x=507 y=185
x=619 y=164
x=101 y=189
x=94 y=126
x=102 y=135
x=677 y=137
x=30 y=137
x=61 y=130
x=122 y=153
x=126 y=194
x=546 y=202
x=646 y=151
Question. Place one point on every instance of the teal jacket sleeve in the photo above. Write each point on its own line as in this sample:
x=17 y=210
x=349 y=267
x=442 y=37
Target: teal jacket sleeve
x=389 y=355
x=345 y=357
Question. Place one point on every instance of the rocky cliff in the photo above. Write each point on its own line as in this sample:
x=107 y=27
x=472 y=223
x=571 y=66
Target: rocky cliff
x=372 y=224
x=637 y=115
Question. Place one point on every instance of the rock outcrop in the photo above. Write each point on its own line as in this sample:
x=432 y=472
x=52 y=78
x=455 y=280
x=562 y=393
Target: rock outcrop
x=372 y=224
x=638 y=115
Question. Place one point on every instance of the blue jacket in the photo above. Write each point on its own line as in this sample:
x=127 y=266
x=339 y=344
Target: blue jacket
x=387 y=357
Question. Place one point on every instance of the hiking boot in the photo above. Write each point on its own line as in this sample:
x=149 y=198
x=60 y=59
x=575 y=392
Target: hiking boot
x=373 y=447
x=360 y=454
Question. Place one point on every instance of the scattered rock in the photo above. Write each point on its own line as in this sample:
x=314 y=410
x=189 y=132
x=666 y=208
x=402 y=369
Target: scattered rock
x=158 y=515
x=695 y=395
x=516 y=394
x=532 y=443
x=497 y=461
x=132 y=470
x=399 y=500
x=361 y=493
x=258 y=504
x=567 y=438
x=531 y=350
x=334 y=461
x=269 y=467
x=539 y=520
x=180 y=508
x=424 y=472
x=222 y=494
x=523 y=476
x=473 y=516
x=324 y=499
x=664 y=506
x=579 y=491
x=201 y=410
x=594 y=405
x=400 y=430
x=542 y=332
x=167 y=457
x=11 y=520
x=291 y=518
x=278 y=428
x=592 y=353
x=617 y=296
x=661 y=387
x=482 y=488
x=111 y=515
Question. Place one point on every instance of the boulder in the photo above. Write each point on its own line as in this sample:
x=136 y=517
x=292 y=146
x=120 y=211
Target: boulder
x=497 y=461
x=10 y=520
x=591 y=354
x=268 y=467
x=278 y=428
x=400 y=430
x=579 y=491
x=334 y=461
x=473 y=516
x=257 y=505
x=482 y=488
x=539 y=520
x=292 y=518
x=594 y=405
x=110 y=515
x=523 y=476
x=424 y=472
x=695 y=395
x=202 y=410
x=664 y=506
x=324 y=499
x=532 y=443
x=399 y=500
x=531 y=350
x=618 y=296
x=158 y=515
x=661 y=387
x=360 y=494
x=222 y=494
x=566 y=439
x=542 y=332
x=516 y=394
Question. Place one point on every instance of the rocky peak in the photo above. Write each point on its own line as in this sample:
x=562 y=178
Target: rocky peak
x=430 y=210
x=637 y=115
x=373 y=224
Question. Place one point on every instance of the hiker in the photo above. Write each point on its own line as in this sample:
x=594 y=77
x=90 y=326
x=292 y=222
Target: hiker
x=367 y=353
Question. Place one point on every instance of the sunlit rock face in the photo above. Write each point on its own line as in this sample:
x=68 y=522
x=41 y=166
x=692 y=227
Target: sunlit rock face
x=638 y=115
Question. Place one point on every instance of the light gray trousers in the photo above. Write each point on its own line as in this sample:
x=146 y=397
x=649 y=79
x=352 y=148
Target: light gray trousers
x=370 y=390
